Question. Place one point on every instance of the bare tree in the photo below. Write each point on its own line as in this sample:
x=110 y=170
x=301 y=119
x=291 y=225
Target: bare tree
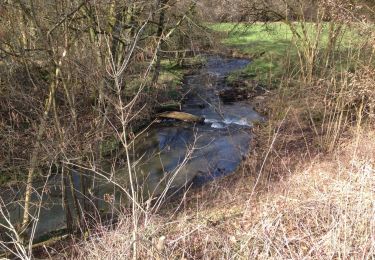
x=68 y=72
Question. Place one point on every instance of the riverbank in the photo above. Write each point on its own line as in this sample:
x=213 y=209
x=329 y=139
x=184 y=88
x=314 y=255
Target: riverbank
x=166 y=94
x=171 y=155
x=305 y=190
x=287 y=200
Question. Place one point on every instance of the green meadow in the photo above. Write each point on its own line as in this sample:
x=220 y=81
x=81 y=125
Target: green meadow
x=273 y=47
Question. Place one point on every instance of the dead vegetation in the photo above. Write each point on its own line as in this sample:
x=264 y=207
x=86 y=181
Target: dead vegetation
x=305 y=191
x=304 y=204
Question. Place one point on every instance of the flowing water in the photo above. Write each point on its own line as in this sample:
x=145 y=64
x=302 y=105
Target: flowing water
x=170 y=154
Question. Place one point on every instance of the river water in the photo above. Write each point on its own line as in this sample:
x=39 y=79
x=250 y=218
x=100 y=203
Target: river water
x=169 y=155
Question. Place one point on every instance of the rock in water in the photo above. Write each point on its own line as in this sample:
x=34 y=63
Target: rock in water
x=182 y=116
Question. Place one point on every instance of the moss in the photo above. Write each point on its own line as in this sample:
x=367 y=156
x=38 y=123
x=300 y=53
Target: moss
x=109 y=145
x=168 y=93
x=11 y=176
x=5 y=178
x=172 y=75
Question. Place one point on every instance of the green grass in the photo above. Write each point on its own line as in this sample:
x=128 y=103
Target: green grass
x=267 y=45
x=272 y=47
x=170 y=77
x=172 y=74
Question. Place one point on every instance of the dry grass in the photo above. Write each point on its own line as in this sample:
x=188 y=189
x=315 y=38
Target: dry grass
x=306 y=191
x=325 y=210
x=306 y=206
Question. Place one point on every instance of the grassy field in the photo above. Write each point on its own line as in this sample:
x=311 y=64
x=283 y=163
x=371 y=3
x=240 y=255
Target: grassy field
x=274 y=47
x=266 y=45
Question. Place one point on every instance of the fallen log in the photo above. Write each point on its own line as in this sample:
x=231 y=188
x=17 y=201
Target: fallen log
x=181 y=116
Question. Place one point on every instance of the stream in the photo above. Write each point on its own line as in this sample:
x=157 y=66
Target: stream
x=169 y=155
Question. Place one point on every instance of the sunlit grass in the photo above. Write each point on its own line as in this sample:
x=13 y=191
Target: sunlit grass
x=267 y=45
x=272 y=47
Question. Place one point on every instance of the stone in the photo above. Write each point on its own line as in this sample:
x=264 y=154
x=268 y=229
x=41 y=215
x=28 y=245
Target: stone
x=181 y=116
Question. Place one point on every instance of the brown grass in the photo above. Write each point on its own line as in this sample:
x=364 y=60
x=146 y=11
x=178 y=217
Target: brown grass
x=306 y=191
x=306 y=205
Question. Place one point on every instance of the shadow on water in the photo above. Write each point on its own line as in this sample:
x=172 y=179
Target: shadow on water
x=208 y=150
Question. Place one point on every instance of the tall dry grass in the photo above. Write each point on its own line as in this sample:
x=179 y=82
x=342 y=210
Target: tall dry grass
x=323 y=209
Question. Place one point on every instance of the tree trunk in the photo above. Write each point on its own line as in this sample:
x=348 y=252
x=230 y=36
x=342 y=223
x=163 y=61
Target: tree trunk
x=159 y=35
x=35 y=154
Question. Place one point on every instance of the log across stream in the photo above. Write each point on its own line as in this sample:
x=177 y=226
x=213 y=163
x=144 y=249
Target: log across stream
x=168 y=155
